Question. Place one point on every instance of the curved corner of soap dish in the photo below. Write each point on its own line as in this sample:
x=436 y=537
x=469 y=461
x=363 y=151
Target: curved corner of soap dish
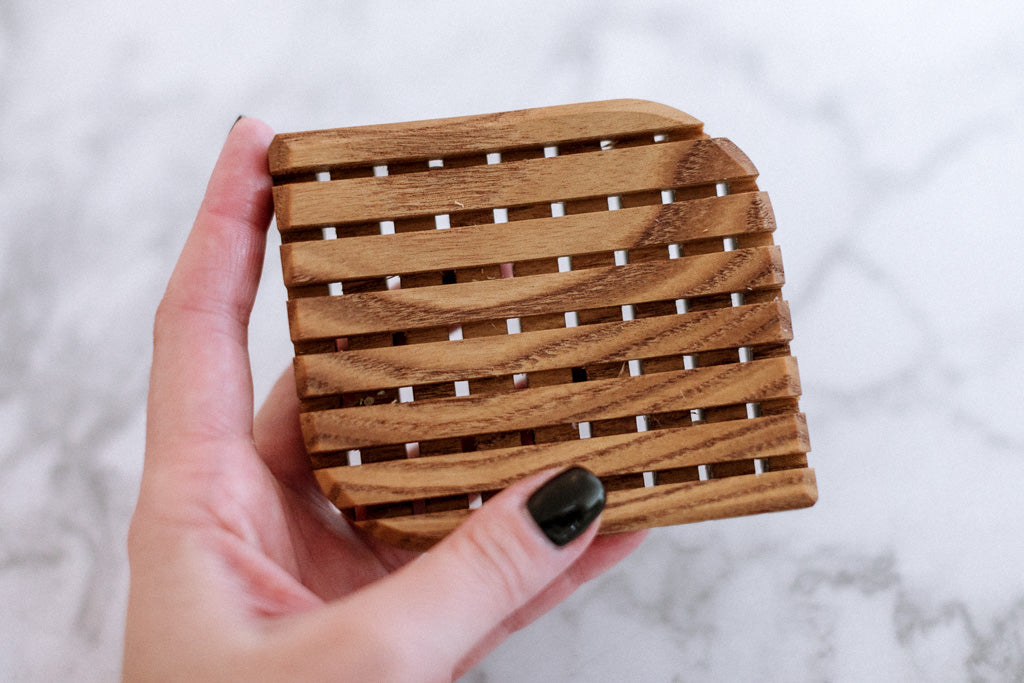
x=738 y=156
x=810 y=488
x=279 y=154
x=667 y=116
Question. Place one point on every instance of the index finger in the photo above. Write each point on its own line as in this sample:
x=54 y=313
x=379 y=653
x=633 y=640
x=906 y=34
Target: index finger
x=200 y=383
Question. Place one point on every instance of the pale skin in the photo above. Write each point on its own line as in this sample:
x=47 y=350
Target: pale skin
x=240 y=568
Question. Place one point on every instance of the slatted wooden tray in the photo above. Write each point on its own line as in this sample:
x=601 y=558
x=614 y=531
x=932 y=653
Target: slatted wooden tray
x=475 y=299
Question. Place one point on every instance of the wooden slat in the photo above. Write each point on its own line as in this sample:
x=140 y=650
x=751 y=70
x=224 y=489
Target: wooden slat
x=349 y=428
x=495 y=356
x=714 y=499
x=481 y=471
x=631 y=509
x=405 y=309
x=306 y=152
x=517 y=183
x=323 y=261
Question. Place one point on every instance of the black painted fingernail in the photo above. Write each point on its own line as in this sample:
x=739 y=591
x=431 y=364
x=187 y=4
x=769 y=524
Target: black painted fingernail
x=566 y=505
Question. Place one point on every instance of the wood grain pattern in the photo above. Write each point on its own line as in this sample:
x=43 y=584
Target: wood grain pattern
x=375 y=425
x=455 y=137
x=494 y=356
x=365 y=313
x=632 y=509
x=634 y=294
x=324 y=261
x=517 y=183
x=491 y=470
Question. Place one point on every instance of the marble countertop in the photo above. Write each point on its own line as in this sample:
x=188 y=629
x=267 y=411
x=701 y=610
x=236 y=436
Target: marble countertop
x=889 y=136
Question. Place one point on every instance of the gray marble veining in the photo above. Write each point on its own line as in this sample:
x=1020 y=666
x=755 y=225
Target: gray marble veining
x=889 y=136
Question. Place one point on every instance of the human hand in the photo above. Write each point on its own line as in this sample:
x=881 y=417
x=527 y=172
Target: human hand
x=240 y=568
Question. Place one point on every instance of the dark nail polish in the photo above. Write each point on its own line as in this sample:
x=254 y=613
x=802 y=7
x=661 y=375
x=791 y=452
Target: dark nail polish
x=566 y=505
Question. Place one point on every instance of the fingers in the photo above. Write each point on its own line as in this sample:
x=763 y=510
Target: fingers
x=277 y=433
x=440 y=607
x=200 y=386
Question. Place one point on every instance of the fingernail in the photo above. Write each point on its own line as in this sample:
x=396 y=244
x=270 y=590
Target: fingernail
x=565 y=506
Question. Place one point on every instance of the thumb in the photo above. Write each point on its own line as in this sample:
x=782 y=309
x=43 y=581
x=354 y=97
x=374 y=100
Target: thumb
x=431 y=614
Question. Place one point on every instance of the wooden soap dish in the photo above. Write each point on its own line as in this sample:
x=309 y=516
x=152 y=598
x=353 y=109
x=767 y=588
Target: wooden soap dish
x=476 y=299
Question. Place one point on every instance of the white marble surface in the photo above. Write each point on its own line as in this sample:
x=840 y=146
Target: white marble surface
x=890 y=136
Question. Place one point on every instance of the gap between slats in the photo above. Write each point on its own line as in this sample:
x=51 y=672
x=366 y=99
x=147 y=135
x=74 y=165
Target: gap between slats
x=631 y=509
x=459 y=473
x=317 y=262
x=436 y=362
x=364 y=313
x=755 y=381
x=512 y=184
